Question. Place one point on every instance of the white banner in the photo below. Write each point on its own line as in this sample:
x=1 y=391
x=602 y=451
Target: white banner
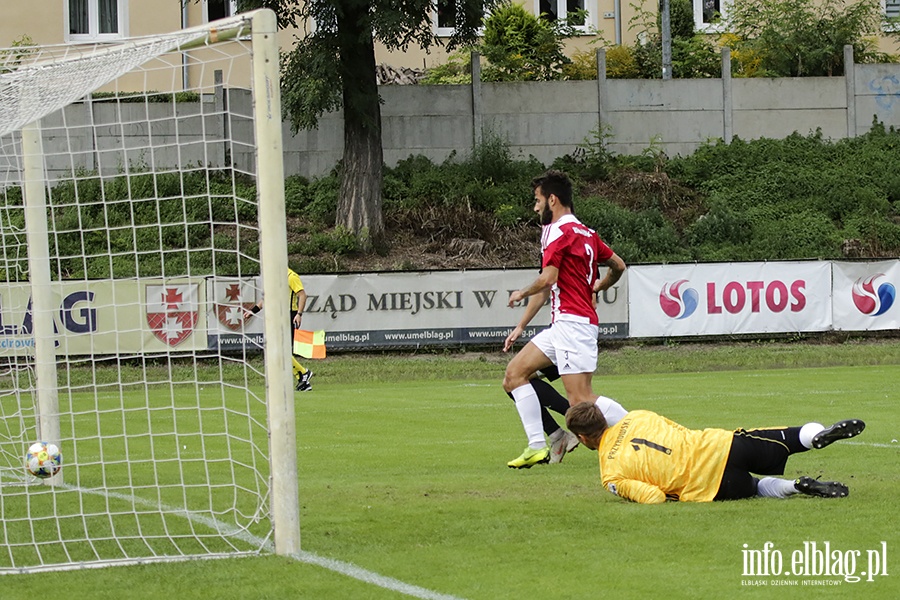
x=729 y=298
x=865 y=295
x=109 y=317
x=428 y=308
x=452 y=308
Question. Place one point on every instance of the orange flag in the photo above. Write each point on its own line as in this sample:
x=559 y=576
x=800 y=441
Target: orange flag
x=309 y=344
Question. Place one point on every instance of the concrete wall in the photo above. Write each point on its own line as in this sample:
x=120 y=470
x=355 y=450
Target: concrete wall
x=676 y=115
x=876 y=95
x=550 y=119
x=543 y=119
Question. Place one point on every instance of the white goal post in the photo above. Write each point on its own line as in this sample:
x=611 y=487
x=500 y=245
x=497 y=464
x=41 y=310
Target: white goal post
x=141 y=218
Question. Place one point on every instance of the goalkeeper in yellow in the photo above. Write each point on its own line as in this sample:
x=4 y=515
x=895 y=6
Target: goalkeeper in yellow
x=302 y=375
x=649 y=459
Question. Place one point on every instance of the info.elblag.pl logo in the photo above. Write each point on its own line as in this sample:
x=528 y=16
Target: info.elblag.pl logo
x=812 y=564
x=871 y=297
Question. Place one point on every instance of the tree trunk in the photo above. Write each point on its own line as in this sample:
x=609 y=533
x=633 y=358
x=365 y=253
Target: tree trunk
x=359 y=204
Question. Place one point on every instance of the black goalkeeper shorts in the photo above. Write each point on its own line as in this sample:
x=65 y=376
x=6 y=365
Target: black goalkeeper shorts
x=760 y=451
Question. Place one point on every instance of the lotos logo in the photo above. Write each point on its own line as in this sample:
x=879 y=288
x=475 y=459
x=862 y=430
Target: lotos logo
x=676 y=303
x=870 y=301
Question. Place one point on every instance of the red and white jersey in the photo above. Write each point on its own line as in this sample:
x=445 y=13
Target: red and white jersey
x=576 y=250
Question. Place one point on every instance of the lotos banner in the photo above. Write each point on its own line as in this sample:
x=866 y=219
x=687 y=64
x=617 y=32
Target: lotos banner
x=729 y=298
x=865 y=295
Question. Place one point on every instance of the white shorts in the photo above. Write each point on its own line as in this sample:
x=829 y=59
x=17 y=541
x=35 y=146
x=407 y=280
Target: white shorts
x=571 y=346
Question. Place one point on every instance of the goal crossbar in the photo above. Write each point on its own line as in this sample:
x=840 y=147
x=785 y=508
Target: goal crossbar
x=37 y=85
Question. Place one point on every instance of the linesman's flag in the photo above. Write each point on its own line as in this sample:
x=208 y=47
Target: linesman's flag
x=309 y=344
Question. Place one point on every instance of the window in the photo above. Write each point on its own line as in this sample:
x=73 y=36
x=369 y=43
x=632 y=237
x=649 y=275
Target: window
x=444 y=18
x=553 y=10
x=711 y=11
x=891 y=11
x=708 y=14
x=95 y=20
x=891 y=8
x=213 y=10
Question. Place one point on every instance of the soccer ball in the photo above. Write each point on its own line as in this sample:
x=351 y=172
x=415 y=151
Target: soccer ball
x=43 y=460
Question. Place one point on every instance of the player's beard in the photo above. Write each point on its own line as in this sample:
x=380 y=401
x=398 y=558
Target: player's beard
x=546 y=215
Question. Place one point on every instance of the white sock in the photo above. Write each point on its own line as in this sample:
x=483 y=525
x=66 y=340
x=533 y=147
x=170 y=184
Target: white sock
x=612 y=410
x=529 y=408
x=773 y=487
x=808 y=432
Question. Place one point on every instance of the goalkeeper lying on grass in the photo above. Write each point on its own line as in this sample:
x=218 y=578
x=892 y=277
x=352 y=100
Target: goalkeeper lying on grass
x=649 y=459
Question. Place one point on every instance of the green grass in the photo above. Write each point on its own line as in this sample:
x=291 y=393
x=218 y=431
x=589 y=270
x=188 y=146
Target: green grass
x=402 y=473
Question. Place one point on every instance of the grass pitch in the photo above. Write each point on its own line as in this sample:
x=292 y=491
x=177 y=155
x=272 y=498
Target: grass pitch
x=405 y=490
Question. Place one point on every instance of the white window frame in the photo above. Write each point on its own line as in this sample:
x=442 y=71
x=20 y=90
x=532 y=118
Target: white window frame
x=232 y=7
x=94 y=34
x=448 y=31
x=884 y=8
x=889 y=26
x=718 y=27
x=438 y=30
x=590 y=19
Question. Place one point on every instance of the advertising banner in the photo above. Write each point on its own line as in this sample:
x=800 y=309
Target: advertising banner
x=230 y=325
x=454 y=308
x=865 y=294
x=436 y=308
x=729 y=298
x=109 y=317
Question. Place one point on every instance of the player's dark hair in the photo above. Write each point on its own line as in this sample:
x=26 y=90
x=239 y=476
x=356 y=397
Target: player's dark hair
x=586 y=418
x=556 y=183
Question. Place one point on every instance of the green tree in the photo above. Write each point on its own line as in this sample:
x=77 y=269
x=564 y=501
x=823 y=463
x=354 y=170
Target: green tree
x=11 y=59
x=522 y=47
x=333 y=66
x=795 y=38
x=693 y=54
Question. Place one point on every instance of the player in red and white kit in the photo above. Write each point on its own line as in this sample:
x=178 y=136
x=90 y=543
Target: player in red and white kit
x=571 y=256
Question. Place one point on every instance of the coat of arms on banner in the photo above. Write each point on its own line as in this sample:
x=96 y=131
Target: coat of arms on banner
x=232 y=300
x=172 y=311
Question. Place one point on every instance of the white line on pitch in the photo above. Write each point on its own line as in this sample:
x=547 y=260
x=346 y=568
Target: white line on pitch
x=341 y=567
x=874 y=445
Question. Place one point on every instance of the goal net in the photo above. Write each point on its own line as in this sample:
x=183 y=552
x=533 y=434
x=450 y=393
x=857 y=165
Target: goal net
x=141 y=187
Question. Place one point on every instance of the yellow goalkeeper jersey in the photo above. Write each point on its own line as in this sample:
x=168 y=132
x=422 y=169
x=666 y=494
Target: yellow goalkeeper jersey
x=646 y=458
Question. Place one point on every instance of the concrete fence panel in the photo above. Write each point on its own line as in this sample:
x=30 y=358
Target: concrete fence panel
x=543 y=119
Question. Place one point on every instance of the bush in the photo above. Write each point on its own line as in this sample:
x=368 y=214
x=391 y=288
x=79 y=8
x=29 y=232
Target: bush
x=878 y=237
x=321 y=205
x=339 y=241
x=488 y=180
x=521 y=47
x=807 y=234
x=800 y=196
x=583 y=66
x=456 y=71
x=721 y=226
x=147 y=211
x=621 y=63
x=591 y=161
x=296 y=192
x=413 y=183
x=798 y=38
x=636 y=236
x=695 y=57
